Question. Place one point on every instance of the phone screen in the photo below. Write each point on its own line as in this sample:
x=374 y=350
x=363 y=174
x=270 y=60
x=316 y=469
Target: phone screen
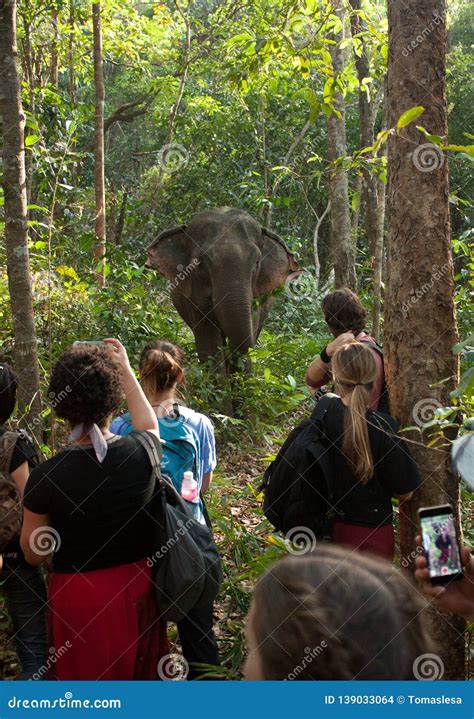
x=440 y=545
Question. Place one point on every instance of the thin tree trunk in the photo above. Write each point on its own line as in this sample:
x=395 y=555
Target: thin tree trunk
x=121 y=217
x=317 y=263
x=341 y=245
x=373 y=193
x=420 y=322
x=378 y=260
x=355 y=217
x=71 y=73
x=29 y=78
x=16 y=229
x=53 y=75
x=99 y=173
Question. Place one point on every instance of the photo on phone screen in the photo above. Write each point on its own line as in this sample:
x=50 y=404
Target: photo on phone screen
x=440 y=544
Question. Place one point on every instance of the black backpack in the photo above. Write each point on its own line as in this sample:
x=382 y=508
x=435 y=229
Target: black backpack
x=299 y=485
x=187 y=569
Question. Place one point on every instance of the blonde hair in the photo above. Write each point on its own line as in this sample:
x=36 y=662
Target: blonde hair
x=354 y=373
x=161 y=365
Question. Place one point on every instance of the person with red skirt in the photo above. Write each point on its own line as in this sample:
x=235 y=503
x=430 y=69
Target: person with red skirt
x=372 y=463
x=89 y=508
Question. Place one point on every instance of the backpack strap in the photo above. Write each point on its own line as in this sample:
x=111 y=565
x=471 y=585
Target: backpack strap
x=319 y=412
x=152 y=446
x=8 y=442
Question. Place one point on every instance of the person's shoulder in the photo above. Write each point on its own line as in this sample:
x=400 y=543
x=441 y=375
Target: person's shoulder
x=196 y=419
x=383 y=421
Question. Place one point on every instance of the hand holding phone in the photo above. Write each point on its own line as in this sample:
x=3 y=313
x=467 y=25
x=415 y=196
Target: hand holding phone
x=457 y=597
x=440 y=544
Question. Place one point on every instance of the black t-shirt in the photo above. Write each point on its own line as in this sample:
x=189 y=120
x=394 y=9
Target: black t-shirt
x=395 y=471
x=100 y=511
x=23 y=451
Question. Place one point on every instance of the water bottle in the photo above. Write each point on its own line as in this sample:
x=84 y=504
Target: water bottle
x=189 y=488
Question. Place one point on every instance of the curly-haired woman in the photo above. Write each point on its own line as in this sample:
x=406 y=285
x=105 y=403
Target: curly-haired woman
x=90 y=506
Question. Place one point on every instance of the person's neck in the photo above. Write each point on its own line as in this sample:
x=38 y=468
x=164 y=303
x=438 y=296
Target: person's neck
x=162 y=403
x=86 y=438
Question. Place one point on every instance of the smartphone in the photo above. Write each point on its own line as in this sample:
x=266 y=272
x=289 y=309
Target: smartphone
x=440 y=543
x=80 y=343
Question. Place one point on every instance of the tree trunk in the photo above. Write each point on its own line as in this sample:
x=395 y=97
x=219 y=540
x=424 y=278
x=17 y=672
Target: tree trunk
x=340 y=236
x=378 y=260
x=71 y=73
x=373 y=191
x=53 y=75
x=420 y=323
x=16 y=229
x=99 y=174
x=121 y=217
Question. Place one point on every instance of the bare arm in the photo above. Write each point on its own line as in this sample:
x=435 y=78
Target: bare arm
x=142 y=413
x=20 y=477
x=206 y=481
x=319 y=372
x=37 y=537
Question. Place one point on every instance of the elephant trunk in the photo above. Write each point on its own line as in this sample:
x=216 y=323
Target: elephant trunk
x=233 y=308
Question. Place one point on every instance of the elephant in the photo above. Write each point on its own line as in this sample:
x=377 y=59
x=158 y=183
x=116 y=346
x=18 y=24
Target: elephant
x=218 y=265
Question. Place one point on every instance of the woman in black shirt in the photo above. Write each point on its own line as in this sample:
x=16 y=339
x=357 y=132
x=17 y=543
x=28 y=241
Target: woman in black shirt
x=22 y=585
x=371 y=462
x=90 y=507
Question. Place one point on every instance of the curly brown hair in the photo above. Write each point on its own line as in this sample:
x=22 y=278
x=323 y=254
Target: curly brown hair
x=86 y=385
x=337 y=615
x=343 y=311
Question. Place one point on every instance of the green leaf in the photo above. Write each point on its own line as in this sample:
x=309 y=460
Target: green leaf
x=31 y=139
x=409 y=116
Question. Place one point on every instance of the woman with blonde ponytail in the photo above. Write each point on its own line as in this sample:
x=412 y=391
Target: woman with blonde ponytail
x=372 y=462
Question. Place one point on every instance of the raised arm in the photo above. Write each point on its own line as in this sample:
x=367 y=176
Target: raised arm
x=141 y=412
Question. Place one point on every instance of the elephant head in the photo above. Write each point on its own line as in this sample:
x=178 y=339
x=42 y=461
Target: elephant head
x=220 y=262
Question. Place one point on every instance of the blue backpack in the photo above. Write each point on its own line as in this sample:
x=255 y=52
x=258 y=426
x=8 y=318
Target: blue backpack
x=180 y=445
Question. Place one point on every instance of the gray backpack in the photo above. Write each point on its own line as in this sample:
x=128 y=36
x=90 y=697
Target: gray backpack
x=10 y=500
x=187 y=570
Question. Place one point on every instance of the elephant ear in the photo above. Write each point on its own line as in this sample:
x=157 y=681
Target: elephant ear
x=278 y=264
x=171 y=254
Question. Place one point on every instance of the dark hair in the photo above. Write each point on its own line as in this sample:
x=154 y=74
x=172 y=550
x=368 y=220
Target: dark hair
x=161 y=363
x=354 y=371
x=8 y=386
x=86 y=385
x=337 y=615
x=343 y=311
